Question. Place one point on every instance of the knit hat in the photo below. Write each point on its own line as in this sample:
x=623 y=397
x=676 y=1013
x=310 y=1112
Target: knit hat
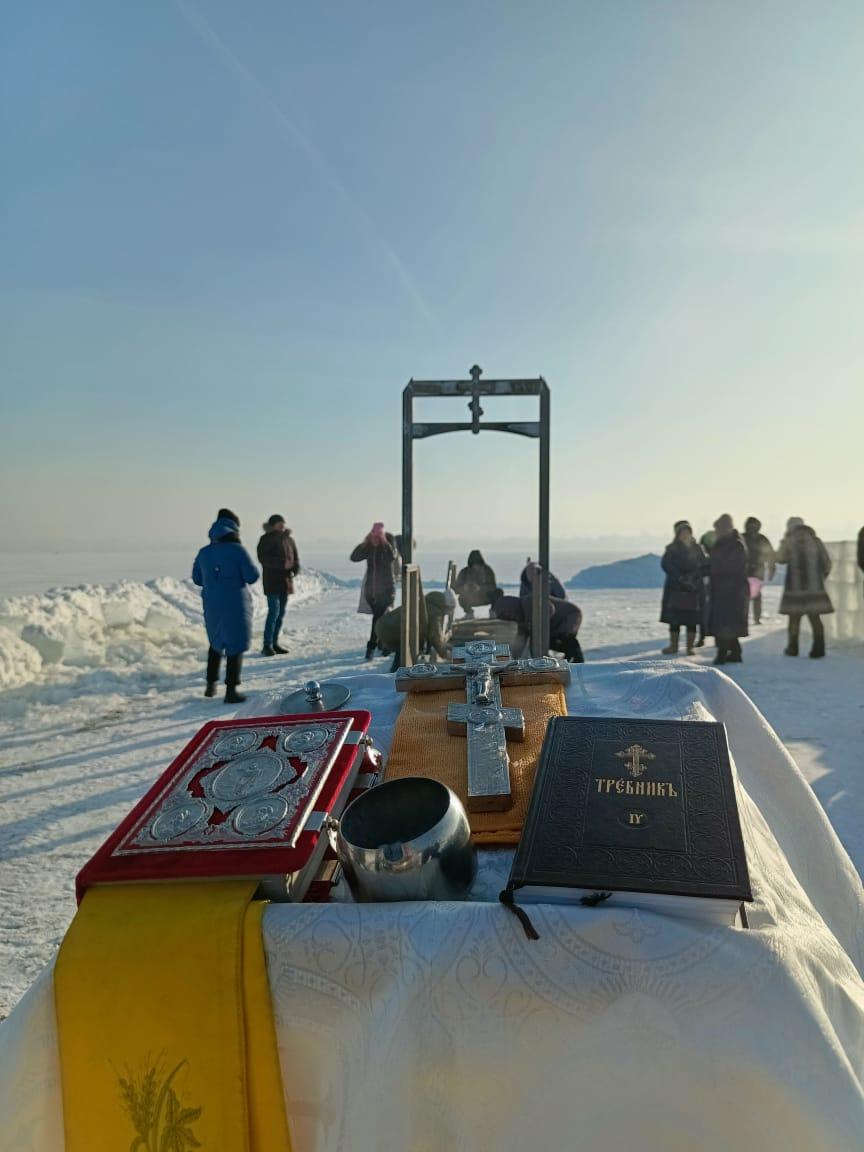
x=227 y=514
x=680 y=525
x=724 y=523
x=273 y=520
x=794 y=522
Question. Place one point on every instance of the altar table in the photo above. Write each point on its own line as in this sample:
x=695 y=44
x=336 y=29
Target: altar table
x=441 y=1026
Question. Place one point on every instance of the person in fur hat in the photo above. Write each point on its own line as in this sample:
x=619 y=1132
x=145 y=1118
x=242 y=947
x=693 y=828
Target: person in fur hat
x=280 y=563
x=807 y=565
x=684 y=563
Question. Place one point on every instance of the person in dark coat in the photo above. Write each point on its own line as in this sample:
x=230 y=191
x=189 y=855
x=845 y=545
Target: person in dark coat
x=530 y=573
x=475 y=585
x=807 y=564
x=730 y=592
x=760 y=562
x=861 y=549
x=280 y=563
x=378 y=549
x=565 y=621
x=706 y=542
x=684 y=563
x=222 y=570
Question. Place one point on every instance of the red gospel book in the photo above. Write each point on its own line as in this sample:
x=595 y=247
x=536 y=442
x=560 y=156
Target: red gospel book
x=244 y=798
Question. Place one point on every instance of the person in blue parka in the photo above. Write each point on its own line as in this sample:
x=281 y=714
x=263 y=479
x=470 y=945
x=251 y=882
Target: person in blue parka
x=222 y=570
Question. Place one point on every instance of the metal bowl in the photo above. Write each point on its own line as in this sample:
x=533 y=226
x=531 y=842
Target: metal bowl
x=406 y=840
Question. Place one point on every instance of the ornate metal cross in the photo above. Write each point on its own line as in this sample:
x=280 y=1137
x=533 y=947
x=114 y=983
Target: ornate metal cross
x=483 y=719
x=634 y=755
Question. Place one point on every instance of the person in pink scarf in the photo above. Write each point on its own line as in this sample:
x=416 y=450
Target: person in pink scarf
x=378 y=549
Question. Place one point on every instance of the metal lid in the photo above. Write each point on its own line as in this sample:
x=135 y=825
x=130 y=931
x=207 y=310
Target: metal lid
x=326 y=696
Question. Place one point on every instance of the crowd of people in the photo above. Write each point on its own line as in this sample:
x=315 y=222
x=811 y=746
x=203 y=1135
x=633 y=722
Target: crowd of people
x=712 y=584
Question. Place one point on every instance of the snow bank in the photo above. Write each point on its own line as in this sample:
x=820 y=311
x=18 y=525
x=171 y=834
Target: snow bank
x=129 y=628
x=19 y=662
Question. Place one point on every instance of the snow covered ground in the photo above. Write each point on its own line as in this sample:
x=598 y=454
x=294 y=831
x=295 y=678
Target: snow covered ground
x=101 y=686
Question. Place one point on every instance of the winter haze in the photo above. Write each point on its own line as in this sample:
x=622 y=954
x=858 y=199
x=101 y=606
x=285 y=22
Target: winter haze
x=231 y=234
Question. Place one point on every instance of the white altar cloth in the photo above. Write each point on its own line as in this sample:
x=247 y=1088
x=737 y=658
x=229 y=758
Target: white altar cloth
x=421 y=1026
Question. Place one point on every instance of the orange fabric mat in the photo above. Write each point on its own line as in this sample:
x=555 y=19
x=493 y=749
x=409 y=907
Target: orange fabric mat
x=422 y=747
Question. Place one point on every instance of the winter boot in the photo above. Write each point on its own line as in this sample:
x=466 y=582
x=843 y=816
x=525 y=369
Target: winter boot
x=817 y=651
x=232 y=679
x=210 y=690
x=214 y=661
x=794 y=626
x=672 y=647
x=691 y=641
x=279 y=650
x=735 y=656
x=370 y=650
x=268 y=650
x=722 y=655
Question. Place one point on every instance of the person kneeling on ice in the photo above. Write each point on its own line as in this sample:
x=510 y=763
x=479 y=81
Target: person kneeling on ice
x=564 y=624
x=436 y=609
x=222 y=570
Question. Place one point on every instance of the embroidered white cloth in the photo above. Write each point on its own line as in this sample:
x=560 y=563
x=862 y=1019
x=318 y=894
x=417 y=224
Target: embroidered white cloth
x=421 y=1026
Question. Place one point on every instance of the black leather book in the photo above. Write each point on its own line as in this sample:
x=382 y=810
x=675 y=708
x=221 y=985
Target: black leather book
x=633 y=812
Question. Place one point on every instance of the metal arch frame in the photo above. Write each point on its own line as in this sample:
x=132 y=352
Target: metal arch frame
x=535 y=429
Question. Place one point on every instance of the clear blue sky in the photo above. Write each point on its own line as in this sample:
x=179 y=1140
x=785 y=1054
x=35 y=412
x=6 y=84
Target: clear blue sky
x=230 y=233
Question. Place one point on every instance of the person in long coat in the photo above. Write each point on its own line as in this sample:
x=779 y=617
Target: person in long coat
x=730 y=592
x=761 y=563
x=280 y=563
x=223 y=569
x=378 y=549
x=684 y=563
x=475 y=585
x=807 y=564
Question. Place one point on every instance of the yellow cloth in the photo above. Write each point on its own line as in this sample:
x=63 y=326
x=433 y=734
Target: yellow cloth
x=165 y=1023
x=422 y=747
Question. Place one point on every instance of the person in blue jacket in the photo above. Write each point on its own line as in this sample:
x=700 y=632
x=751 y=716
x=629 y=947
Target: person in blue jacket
x=222 y=570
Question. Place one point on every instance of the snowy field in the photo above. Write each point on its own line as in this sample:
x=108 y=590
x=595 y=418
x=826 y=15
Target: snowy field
x=100 y=687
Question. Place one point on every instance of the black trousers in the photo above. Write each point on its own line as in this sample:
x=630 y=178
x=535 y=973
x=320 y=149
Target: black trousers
x=232 y=668
x=757 y=607
x=817 y=627
x=379 y=607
